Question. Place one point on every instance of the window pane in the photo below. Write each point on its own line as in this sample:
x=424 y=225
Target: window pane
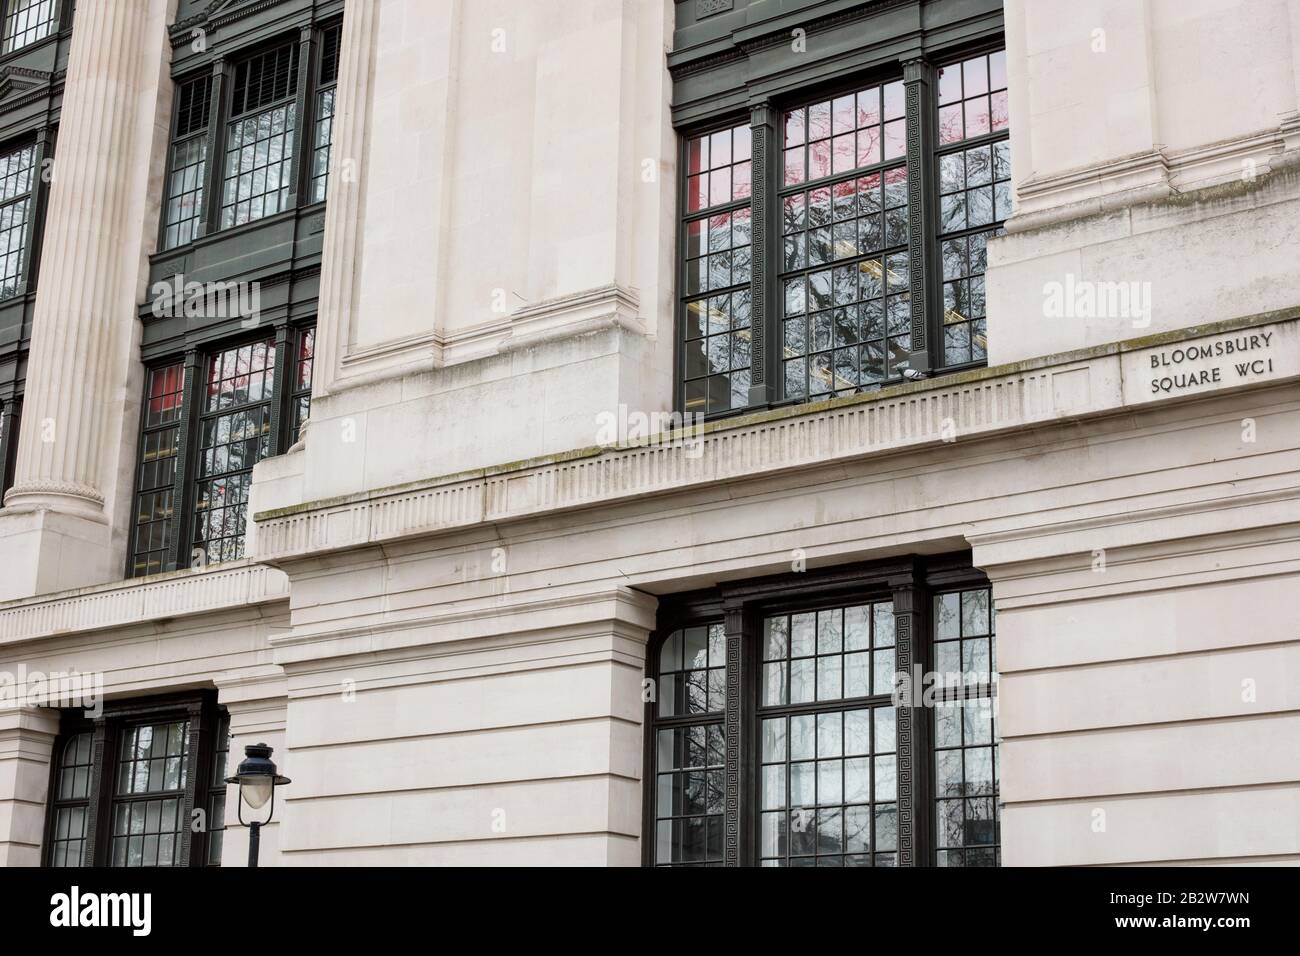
x=17 y=174
x=718 y=267
x=823 y=778
x=966 y=731
x=234 y=435
x=27 y=21
x=690 y=795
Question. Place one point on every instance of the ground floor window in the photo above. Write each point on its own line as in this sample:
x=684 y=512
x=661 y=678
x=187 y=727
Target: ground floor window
x=840 y=718
x=137 y=786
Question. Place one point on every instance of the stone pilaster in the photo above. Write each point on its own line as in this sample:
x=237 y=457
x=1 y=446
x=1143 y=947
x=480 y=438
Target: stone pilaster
x=72 y=478
x=344 y=213
x=26 y=743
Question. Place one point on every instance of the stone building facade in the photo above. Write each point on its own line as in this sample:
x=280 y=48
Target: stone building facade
x=554 y=427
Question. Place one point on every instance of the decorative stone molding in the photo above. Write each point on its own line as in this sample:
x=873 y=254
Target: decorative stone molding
x=67 y=489
x=1090 y=190
x=1150 y=177
x=123 y=603
x=574 y=314
x=217 y=14
x=707 y=8
x=903 y=417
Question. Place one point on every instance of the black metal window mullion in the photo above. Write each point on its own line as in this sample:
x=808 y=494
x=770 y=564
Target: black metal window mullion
x=182 y=494
x=922 y=223
x=911 y=625
x=215 y=806
x=103 y=748
x=765 y=282
x=284 y=339
x=41 y=197
x=303 y=96
x=219 y=97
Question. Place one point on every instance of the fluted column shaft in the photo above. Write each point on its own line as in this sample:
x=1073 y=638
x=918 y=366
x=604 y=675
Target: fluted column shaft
x=82 y=330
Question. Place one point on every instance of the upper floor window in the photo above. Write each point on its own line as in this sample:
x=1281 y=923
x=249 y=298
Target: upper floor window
x=26 y=21
x=183 y=208
x=251 y=137
x=17 y=181
x=208 y=420
x=864 y=247
x=260 y=137
x=844 y=269
x=974 y=194
x=840 y=747
x=327 y=90
x=121 y=785
x=718 y=269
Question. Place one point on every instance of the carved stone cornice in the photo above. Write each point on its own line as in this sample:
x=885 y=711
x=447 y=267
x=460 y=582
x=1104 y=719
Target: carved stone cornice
x=124 y=603
x=219 y=13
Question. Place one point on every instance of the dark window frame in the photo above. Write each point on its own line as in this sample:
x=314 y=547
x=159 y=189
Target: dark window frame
x=195 y=362
x=910 y=583
x=852 y=83
x=941 y=150
x=326 y=86
x=204 y=718
x=57 y=803
x=686 y=216
x=741 y=68
x=54 y=25
x=304 y=44
x=184 y=137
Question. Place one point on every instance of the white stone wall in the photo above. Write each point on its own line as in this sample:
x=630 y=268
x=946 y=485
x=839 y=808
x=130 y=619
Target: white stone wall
x=1154 y=151
x=446 y=640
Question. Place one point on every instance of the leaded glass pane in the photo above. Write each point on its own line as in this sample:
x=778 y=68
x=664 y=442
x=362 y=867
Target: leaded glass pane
x=717 y=272
x=234 y=435
x=27 y=21
x=17 y=178
x=846 y=318
x=974 y=196
x=966 y=730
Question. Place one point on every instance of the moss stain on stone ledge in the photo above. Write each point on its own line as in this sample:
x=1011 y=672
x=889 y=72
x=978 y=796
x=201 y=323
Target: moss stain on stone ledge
x=768 y=416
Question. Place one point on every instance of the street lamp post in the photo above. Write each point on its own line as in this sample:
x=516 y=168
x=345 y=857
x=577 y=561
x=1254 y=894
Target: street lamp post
x=257 y=781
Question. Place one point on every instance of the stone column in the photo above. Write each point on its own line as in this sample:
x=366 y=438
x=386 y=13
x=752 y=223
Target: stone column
x=26 y=743
x=72 y=479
